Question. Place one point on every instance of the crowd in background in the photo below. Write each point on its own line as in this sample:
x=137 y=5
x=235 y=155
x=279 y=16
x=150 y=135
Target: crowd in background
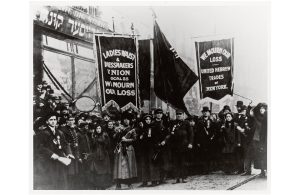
x=79 y=150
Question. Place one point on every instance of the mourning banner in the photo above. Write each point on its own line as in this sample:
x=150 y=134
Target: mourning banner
x=215 y=68
x=117 y=68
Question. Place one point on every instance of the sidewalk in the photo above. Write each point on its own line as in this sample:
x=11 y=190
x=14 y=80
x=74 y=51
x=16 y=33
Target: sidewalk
x=215 y=181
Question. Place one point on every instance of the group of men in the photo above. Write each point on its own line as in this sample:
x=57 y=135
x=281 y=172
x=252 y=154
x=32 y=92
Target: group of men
x=163 y=148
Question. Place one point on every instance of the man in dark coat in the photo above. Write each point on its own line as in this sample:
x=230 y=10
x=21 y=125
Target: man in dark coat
x=53 y=150
x=181 y=138
x=85 y=147
x=156 y=138
x=242 y=121
x=71 y=135
x=204 y=138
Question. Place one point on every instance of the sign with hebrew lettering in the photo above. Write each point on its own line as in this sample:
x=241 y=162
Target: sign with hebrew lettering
x=70 y=21
x=215 y=67
x=117 y=69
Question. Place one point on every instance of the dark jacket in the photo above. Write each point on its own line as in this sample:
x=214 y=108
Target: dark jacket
x=54 y=172
x=181 y=135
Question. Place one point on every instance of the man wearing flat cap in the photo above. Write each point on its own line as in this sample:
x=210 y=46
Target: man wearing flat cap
x=181 y=140
x=53 y=149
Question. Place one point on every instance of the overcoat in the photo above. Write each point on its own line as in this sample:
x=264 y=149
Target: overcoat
x=54 y=172
x=125 y=166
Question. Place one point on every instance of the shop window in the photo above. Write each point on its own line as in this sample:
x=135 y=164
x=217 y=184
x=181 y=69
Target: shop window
x=55 y=43
x=60 y=67
x=85 y=52
x=85 y=73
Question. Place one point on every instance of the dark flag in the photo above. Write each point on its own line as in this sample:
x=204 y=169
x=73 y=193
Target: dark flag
x=172 y=77
x=144 y=69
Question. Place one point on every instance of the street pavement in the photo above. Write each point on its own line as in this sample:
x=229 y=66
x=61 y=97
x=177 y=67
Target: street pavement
x=255 y=184
x=214 y=181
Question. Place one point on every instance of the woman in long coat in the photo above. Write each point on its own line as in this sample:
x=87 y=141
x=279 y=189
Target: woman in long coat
x=125 y=168
x=99 y=160
x=232 y=140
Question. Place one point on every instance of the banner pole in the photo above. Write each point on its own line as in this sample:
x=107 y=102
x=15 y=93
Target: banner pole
x=97 y=75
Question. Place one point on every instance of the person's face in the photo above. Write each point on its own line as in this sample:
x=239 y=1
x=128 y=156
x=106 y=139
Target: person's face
x=65 y=112
x=148 y=120
x=159 y=115
x=86 y=127
x=206 y=113
x=91 y=130
x=179 y=116
x=57 y=101
x=98 y=129
x=44 y=91
x=228 y=117
x=80 y=121
x=52 y=121
x=106 y=118
x=226 y=111
x=41 y=104
x=110 y=125
x=262 y=110
x=239 y=109
x=192 y=123
x=126 y=122
x=243 y=112
x=71 y=122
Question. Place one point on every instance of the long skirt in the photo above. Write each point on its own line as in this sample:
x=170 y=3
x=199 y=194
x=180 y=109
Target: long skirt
x=125 y=164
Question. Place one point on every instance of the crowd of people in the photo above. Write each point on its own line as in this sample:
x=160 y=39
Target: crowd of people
x=83 y=151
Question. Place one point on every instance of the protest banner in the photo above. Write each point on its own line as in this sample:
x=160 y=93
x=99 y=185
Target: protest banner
x=117 y=70
x=215 y=68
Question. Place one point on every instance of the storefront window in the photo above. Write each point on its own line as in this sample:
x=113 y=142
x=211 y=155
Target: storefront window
x=55 y=43
x=85 y=73
x=85 y=52
x=60 y=67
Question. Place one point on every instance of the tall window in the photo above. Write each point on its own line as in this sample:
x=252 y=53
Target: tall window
x=72 y=64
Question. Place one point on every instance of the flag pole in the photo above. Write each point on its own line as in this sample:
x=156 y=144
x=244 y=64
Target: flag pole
x=152 y=63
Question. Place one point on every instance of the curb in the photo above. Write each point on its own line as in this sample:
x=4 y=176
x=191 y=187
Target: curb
x=243 y=182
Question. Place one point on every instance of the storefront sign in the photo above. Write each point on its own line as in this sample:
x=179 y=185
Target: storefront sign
x=71 y=22
x=215 y=66
x=117 y=65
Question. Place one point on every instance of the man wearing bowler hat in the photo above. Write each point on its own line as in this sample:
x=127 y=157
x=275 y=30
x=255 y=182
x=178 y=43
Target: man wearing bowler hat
x=181 y=140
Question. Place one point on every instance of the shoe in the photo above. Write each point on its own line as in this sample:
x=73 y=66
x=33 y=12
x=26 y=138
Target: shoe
x=154 y=183
x=118 y=187
x=177 y=181
x=162 y=182
x=262 y=174
x=144 y=184
x=246 y=173
x=183 y=181
x=130 y=187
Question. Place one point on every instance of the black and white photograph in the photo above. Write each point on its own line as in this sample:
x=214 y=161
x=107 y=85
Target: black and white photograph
x=160 y=96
